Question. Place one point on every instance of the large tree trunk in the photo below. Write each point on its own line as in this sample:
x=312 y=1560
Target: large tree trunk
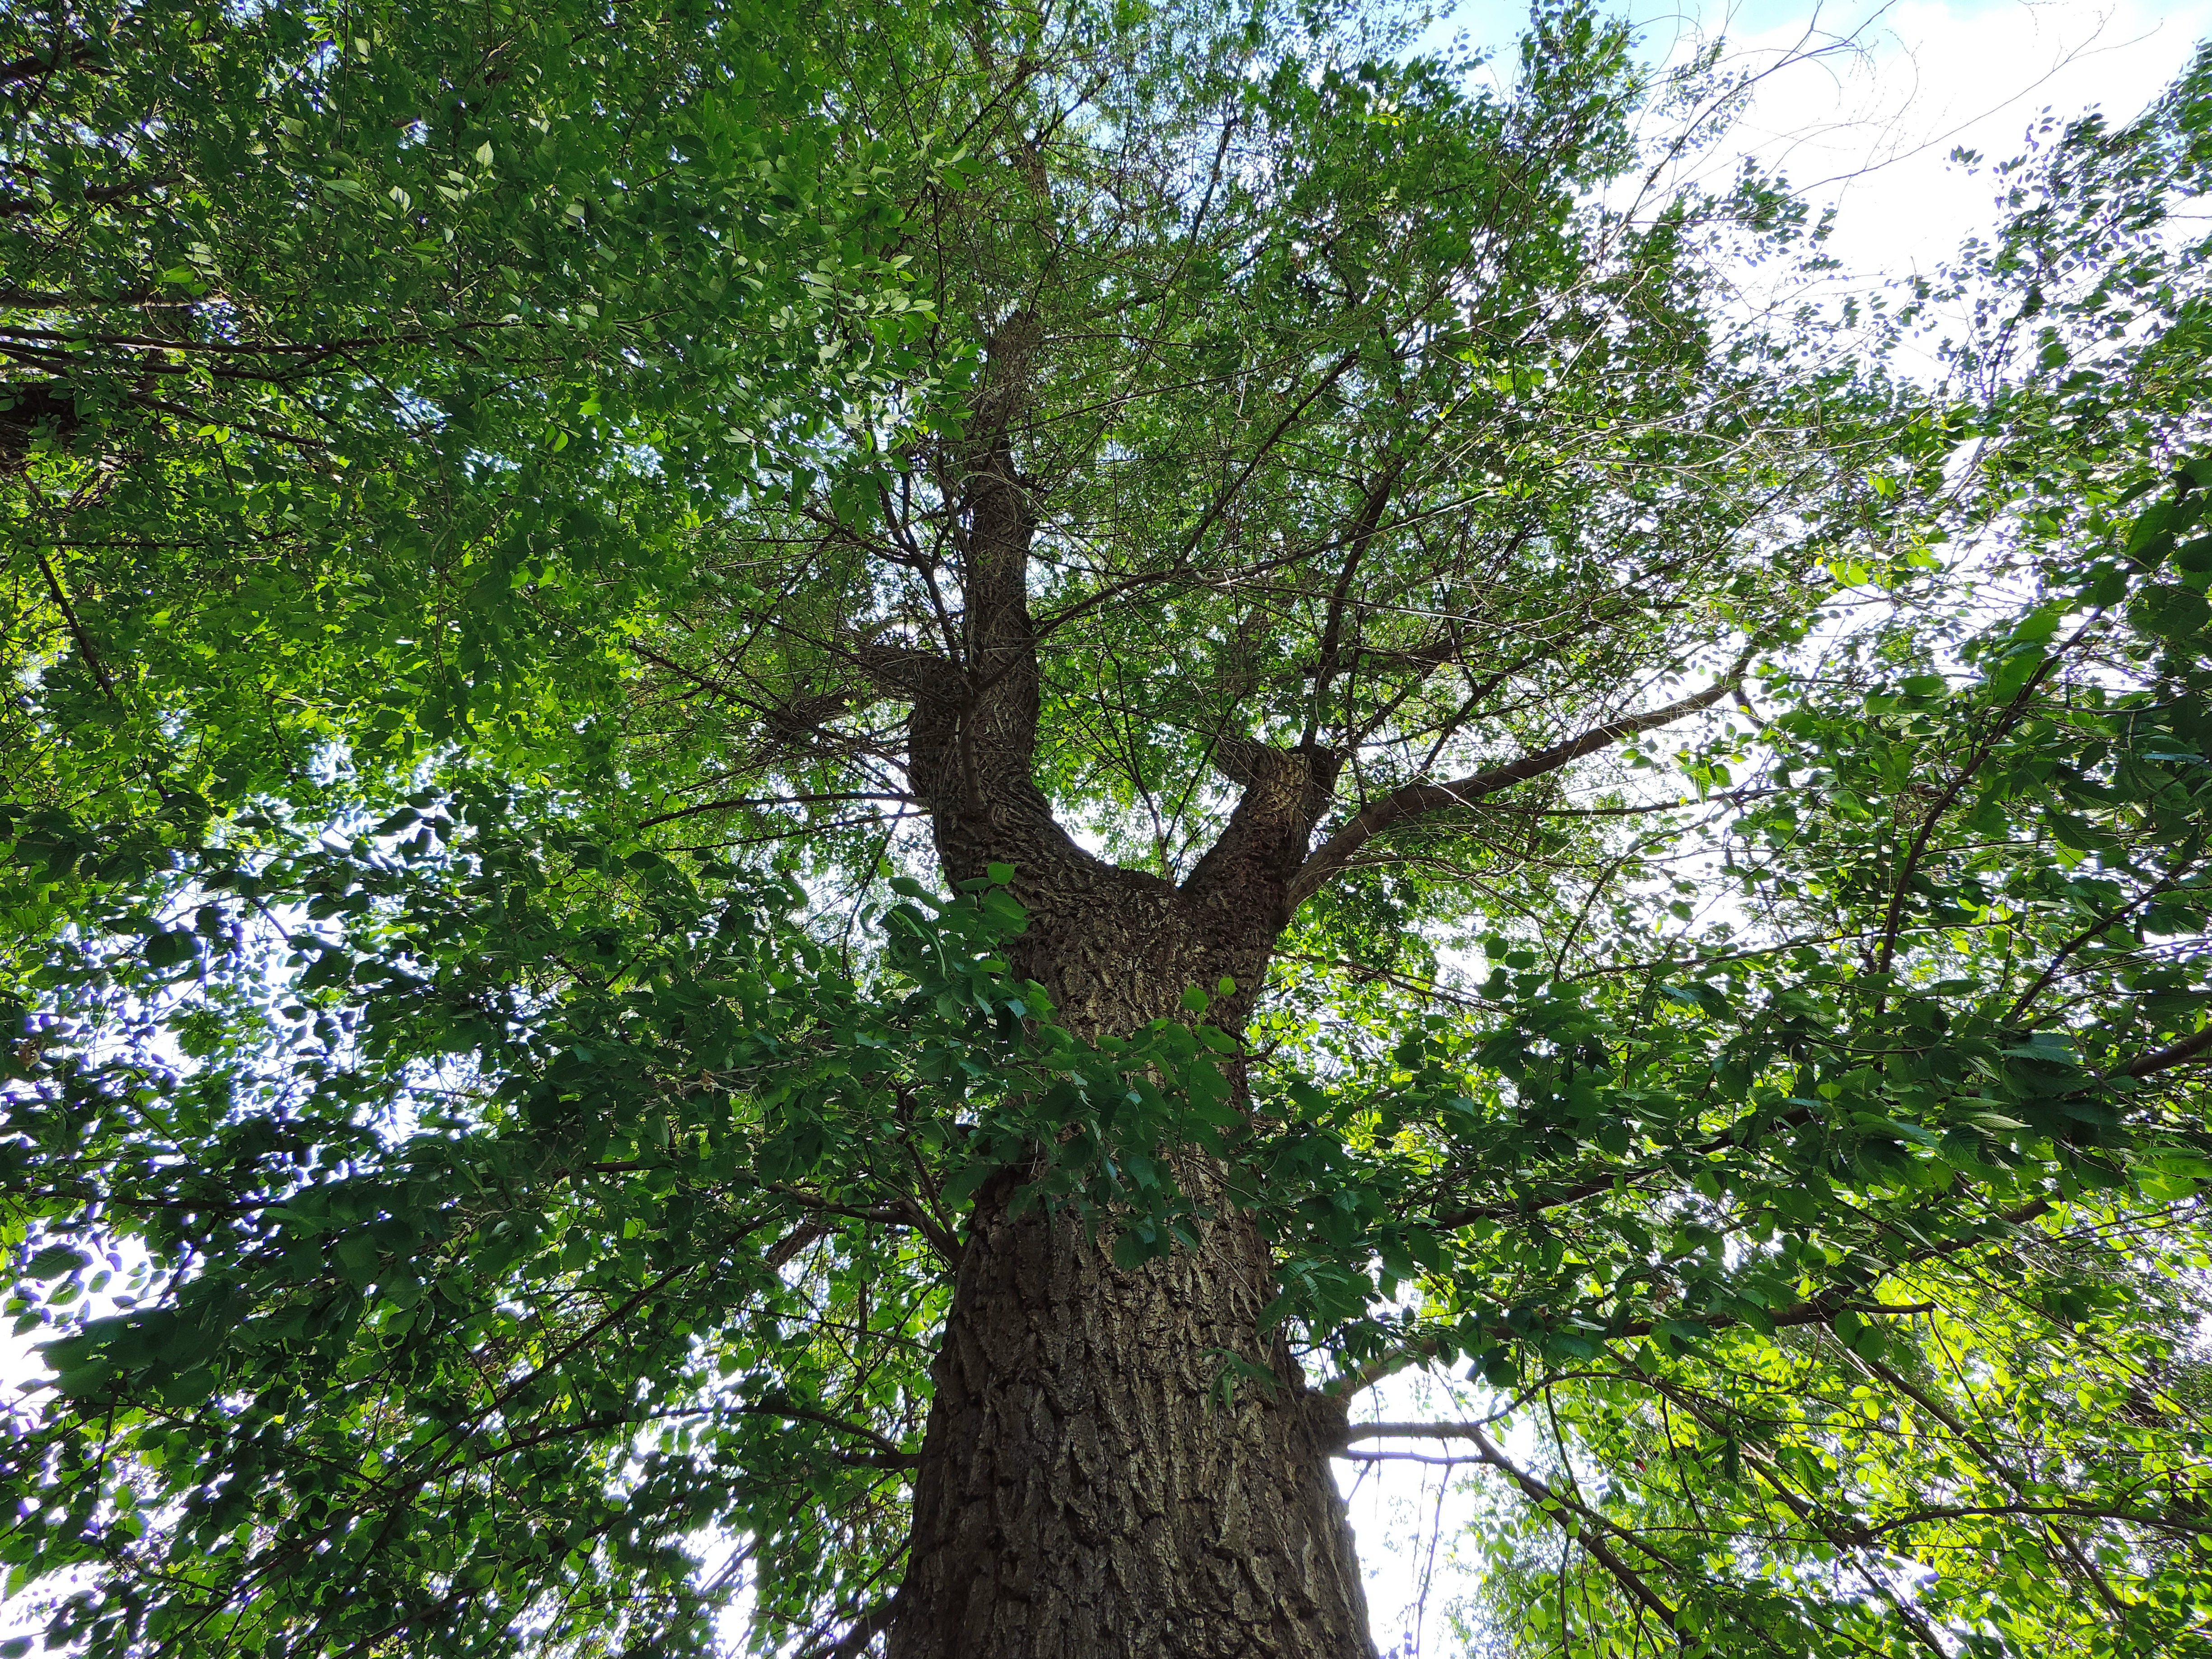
x=1087 y=1487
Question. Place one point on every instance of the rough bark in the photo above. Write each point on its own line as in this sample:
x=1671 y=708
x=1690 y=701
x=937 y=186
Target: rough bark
x=1086 y=1489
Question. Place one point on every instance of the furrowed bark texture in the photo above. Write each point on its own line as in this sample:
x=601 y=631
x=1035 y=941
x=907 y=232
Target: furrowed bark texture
x=1084 y=1489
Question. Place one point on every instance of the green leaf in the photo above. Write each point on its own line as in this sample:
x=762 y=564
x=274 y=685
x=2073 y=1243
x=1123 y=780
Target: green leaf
x=168 y=948
x=2169 y=611
x=2015 y=670
x=55 y=1260
x=358 y=1256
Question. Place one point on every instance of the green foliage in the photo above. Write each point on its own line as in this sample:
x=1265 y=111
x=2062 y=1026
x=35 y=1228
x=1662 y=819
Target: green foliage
x=1883 y=1193
x=480 y=1223
x=369 y=368
x=1327 y=333
x=467 y=1206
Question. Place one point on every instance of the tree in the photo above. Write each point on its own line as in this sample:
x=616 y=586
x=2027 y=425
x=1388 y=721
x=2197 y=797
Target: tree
x=1243 y=481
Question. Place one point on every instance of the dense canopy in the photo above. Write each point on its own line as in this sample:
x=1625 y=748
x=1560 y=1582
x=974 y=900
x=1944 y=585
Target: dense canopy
x=804 y=825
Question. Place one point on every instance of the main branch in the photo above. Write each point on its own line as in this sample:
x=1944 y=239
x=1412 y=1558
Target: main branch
x=1415 y=800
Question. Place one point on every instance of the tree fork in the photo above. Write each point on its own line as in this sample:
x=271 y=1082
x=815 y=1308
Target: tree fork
x=1095 y=1478
x=1092 y=1479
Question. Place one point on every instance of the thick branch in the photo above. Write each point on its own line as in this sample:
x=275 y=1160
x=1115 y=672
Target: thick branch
x=917 y=676
x=1259 y=851
x=2175 y=1054
x=970 y=754
x=98 y=196
x=1416 y=799
x=1412 y=1431
x=68 y=54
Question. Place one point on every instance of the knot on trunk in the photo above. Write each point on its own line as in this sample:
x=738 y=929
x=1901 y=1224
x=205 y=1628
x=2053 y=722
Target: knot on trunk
x=1328 y=1419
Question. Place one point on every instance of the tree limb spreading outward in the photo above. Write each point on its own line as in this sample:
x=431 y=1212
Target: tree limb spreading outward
x=1415 y=800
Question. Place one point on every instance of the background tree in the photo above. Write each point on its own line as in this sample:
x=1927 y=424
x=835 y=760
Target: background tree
x=1281 y=468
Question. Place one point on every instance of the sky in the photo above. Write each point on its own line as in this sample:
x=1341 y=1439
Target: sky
x=1866 y=125
x=1882 y=93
